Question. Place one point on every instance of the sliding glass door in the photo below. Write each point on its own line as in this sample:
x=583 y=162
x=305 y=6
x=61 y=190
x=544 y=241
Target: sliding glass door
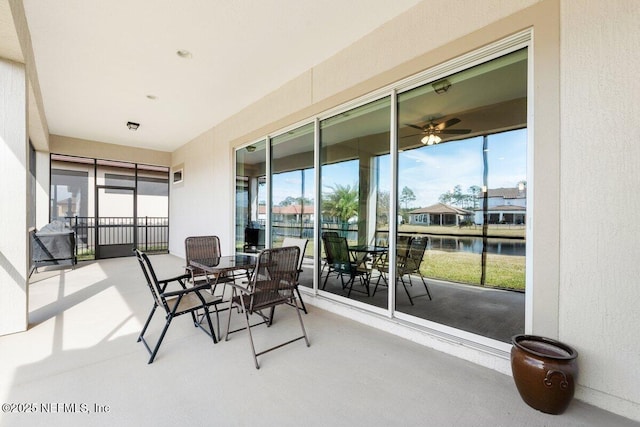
x=251 y=197
x=293 y=192
x=462 y=185
x=453 y=252
x=355 y=179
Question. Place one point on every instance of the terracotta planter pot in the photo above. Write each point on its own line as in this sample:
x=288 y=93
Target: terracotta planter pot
x=544 y=371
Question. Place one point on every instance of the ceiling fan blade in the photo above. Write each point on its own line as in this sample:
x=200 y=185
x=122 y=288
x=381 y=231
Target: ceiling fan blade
x=416 y=127
x=455 y=131
x=448 y=123
x=408 y=136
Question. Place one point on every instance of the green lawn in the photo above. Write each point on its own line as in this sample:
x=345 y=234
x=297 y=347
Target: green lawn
x=503 y=271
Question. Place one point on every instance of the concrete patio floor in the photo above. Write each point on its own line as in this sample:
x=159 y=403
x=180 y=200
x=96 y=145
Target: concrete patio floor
x=80 y=360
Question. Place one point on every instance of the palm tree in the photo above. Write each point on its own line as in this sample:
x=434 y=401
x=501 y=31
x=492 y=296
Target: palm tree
x=341 y=202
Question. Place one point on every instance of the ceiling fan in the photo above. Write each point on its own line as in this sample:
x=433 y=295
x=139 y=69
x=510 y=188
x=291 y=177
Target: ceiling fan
x=433 y=130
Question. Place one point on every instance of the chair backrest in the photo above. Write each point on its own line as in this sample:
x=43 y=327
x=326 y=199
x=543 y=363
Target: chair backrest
x=403 y=242
x=152 y=279
x=324 y=235
x=417 y=247
x=300 y=243
x=337 y=250
x=274 y=277
x=330 y=234
x=200 y=247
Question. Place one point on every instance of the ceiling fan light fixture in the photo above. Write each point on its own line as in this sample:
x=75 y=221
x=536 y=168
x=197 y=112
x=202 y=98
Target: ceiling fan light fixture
x=431 y=139
x=184 y=54
x=441 y=86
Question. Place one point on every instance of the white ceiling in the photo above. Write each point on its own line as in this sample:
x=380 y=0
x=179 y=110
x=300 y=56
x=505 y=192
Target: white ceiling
x=98 y=60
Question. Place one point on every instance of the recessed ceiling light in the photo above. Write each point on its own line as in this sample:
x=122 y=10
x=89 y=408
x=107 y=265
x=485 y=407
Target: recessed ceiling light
x=184 y=54
x=153 y=97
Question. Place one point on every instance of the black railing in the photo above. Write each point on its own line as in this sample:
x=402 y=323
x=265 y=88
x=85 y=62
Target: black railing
x=149 y=234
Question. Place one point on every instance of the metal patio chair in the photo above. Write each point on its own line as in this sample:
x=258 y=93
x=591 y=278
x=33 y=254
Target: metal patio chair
x=341 y=263
x=408 y=260
x=203 y=247
x=198 y=247
x=325 y=260
x=302 y=245
x=272 y=283
x=187 y=300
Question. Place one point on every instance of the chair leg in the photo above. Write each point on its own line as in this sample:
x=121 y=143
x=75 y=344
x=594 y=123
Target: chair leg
x=324 y=285
x=253 y=348
x=301 y=302
x=226 y=335
x=213 y=331
x=425 y=286
x=378 y=282
x=367 y=281
x=164 y=331
x=406 y=290
x=272 y=313
x=350 y=282
x=146 y=324
x=304 y=332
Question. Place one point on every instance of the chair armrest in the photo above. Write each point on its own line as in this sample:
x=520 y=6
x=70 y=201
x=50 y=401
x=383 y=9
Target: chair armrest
x=186 y=291
x=175 y=279
x=243 y=289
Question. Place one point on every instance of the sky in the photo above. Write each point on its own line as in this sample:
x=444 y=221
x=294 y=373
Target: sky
x=428 y=171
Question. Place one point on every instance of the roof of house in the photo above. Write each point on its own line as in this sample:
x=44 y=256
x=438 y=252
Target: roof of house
x=441 y=208
x=513 y=208
x=506 y=193
x=289 y=210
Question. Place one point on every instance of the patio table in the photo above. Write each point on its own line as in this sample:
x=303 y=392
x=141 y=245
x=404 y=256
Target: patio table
x=224 y=268
x=362 y=252
x=221 y=266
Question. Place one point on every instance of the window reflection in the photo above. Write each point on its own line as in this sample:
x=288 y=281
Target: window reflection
x=460 y=205
x=354 y=148
x=251 y=197
x=462 y=184
x=292 y=193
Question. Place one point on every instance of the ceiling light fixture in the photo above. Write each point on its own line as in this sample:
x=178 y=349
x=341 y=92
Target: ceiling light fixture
x=133 y=126
x=152 y=97
x=251 y=149
x=441 y=87
x=184 y=54
x=431 y=139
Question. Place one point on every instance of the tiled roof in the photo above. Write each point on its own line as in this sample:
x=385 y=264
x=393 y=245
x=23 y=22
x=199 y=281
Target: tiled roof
x=290 y=210
x=441 y=208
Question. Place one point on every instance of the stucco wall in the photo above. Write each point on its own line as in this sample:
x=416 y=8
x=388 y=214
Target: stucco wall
x=202 y=203
x=600 y=153
x=583 y=272
x=14 y=211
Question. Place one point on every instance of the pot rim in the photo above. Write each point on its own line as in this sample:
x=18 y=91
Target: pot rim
x=515 y=340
